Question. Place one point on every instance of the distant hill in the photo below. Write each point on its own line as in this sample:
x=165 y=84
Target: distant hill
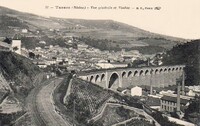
x=188 y=54
x=124 y=36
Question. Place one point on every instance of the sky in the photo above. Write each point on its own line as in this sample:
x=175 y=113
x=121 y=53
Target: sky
x=178 y=18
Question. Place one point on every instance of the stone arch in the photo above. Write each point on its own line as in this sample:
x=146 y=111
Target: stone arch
x=102 y=77
x=141 y=73
x=87 y=78
x=129 y=73
x=161 y=70
x=97 y=78
x=176 y=68
x=113 y=81
x=169 y=70
x=136 y=73
x=180 y=68
x=123 y=74
x=156 y=71
x=91 y=78
x=165 y=70
x=147 y=72
x=173 y=69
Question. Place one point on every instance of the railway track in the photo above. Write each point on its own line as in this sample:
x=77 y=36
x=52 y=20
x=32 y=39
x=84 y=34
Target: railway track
x=41 y=105
x=32 y=106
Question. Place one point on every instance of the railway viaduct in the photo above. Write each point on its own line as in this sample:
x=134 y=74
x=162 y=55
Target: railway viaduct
x=161 y=76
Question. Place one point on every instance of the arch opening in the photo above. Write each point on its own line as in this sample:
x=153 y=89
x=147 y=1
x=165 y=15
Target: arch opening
x=91 y=78
x=97 y=78
x=147 y=72
x=123 y=74
x=113 y=81
x=141 y=72
x=102 y=77
x=136 y=73
x=156 y=71
x=129 y=73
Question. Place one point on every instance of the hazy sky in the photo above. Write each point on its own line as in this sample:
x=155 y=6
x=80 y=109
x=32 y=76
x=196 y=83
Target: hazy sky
x=180 y=18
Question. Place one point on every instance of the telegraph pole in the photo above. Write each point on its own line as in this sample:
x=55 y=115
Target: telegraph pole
x=151 y=72
x=183 y=84
x=178 y=81
x=74 y=112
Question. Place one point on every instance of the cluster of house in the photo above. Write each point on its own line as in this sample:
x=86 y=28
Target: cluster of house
x=163 y=100
x=82 y=58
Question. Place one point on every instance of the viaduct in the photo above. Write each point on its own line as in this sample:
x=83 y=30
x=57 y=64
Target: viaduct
x=161 y=76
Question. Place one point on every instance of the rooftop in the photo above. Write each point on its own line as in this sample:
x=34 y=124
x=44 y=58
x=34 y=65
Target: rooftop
x=174 y=99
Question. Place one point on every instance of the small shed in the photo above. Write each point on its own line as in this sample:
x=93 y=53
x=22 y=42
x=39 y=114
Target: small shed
x=136 y=91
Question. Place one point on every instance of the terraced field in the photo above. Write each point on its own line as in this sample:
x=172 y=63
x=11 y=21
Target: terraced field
x=91 y=96
x=87 y=100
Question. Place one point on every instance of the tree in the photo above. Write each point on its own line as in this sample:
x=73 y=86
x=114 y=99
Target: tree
x=15 y=48
x=7 y=40
x=54 y=58
x=32 y=55
x=37 y=56
x=194 y=106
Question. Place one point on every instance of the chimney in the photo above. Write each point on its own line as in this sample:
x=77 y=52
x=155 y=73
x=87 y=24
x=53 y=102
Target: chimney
x=178 y=81
x=148 y=62
x=183 y=84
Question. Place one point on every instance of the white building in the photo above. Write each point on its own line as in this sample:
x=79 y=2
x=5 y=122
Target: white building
x=191 y=93
x=38 y=48
x=16 y=43
x=42 y=42
x=24 y=31
x=194 y=89
x=136 y=91
x=14 y=46
x=106 y=65
x=82 y=46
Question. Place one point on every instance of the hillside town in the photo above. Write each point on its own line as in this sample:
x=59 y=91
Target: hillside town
x=80 y=58
x=86 y=58
x=71 y=75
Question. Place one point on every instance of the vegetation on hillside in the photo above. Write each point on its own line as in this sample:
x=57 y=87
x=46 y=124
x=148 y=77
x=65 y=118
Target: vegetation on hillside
x=187 y=54
x=162 y=120
x=115 y=114
x=32 y=42
x=192 y=113
x=7 y=119
x=87 y=105
x=19 y=70
x=20 y=73
x=6 y=21
x=105 y=44
x=8 y=24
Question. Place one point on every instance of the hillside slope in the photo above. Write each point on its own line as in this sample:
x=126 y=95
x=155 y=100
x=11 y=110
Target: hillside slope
x=18 y=71
x=120 y=35
x=188 y=54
